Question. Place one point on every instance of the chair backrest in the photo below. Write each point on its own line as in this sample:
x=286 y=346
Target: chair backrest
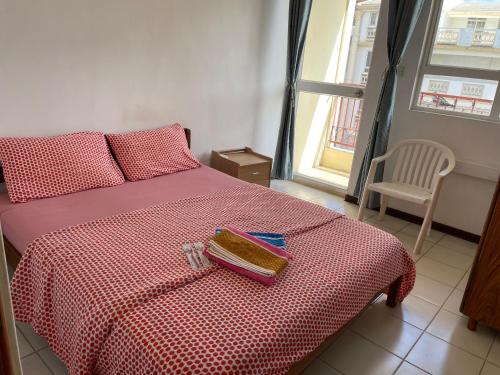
x=419 y=162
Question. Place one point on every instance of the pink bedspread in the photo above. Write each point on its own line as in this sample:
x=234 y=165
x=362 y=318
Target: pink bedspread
x=117 y=296
x=23 y=222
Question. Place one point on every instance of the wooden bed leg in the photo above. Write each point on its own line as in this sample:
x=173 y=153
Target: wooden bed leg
x=392 y=296
x=472 y=324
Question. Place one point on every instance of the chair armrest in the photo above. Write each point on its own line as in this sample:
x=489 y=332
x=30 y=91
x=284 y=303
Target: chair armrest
x=445 y=172
x=374 y=162
x=386 y=156
x=373 y=168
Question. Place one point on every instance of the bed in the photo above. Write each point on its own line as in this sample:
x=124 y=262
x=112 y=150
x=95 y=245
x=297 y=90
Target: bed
x=103 y=279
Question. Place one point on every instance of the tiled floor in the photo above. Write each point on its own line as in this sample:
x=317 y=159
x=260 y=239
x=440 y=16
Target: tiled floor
x=425 y=334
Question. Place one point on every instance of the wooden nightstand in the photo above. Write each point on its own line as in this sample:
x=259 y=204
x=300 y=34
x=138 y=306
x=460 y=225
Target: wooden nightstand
x=244 y=164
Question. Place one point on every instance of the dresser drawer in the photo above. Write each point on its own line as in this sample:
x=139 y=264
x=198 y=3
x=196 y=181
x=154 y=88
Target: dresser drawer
x=244 y=164
x=256 y=172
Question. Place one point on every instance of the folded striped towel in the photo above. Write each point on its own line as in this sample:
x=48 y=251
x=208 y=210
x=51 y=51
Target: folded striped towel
x=276 y=239
x=247 y=255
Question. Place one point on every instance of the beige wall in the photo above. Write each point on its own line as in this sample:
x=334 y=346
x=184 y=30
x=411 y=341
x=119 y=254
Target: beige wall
x=118 y=65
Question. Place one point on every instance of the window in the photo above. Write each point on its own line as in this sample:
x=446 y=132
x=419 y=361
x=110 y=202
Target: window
x=476 y=23
x=438 y=86
x=334 y=73
x=364 y=73
x=472 y=90
x=459 y=70
x=368 y=60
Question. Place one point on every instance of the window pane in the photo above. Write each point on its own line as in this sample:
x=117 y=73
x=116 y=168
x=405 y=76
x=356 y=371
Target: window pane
x=340 y=40
x=468 y=35
x=325 y=134
x=457 y=94
x=344 y=123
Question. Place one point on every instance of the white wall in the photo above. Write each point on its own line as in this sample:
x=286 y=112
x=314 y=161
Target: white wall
x=464 y=199
x=272 y=75
x=117 y=65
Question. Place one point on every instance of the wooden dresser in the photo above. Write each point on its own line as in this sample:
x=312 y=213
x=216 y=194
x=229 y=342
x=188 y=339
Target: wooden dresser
x=244 y=164
x=481 y=301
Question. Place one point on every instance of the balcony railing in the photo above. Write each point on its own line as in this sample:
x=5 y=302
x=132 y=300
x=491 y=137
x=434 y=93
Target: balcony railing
x=454 y=103
x=344 y=122
x=480 y=38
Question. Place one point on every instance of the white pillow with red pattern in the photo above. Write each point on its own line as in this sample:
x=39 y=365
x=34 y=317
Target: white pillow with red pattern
x=42 y=167
x=149 y=153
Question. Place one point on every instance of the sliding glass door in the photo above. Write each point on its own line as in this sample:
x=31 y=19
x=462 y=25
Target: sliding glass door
x=334 y=75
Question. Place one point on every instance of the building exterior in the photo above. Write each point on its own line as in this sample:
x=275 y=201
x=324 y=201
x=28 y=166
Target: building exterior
x=468 y=35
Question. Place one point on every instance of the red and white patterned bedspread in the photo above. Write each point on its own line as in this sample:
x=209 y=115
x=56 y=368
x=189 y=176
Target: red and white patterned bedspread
x=117 y=296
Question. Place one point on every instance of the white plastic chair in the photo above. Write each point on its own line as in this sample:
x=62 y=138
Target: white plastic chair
x=418 y=175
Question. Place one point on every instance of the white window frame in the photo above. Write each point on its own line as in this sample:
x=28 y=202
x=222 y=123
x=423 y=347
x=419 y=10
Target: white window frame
x=426 y=68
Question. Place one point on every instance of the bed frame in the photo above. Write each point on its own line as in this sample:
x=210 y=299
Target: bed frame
x=14 y=256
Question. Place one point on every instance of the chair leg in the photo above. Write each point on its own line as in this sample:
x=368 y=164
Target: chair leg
x=425 y=228
x=384 y=199
x=362 y=204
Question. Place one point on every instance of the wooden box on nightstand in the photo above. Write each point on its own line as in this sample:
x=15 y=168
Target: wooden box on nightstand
x=244 y=164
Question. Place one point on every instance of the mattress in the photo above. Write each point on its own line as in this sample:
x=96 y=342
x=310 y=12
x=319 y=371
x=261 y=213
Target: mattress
x=24 y=222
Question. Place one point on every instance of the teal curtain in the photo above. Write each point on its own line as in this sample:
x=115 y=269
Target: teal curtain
x=402 y=18
x=298 y=18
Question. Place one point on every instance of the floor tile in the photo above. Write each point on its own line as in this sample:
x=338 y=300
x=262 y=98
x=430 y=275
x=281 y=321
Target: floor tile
x=490 y=369
x=453 y=329
x=379 y=225
x=295 y=189
x=413 y=310
x=458 y=245
x=409 y=243
x=33 y=365
x=319 y=367
x=385 y=330
x=463 y=283
x=352 y=354
x=494 y=355
x=440 y=272
x=414 y=230
x=351 y=210
x=24 y=347
x=451 y=258
x=392 y=223
x=454 y=301
x=430 y=290
x=52 y=362
x=440 y=358
x=329 y=199
x=408 y=369
x=36 y=341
